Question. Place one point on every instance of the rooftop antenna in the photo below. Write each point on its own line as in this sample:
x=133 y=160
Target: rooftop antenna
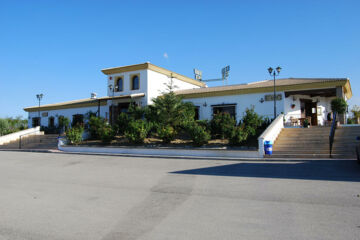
x=224 y=75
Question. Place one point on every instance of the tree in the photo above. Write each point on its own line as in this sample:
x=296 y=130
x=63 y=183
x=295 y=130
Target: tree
x=356 y=111
x=170 y=113
x=339 y=105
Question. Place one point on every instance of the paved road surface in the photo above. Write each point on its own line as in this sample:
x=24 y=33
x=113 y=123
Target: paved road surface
x=65 y=196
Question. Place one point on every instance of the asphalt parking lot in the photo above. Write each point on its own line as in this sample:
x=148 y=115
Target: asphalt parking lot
x=69 y=196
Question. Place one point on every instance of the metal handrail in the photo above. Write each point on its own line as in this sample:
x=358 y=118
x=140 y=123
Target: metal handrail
x=332 y=133
x=20 y=138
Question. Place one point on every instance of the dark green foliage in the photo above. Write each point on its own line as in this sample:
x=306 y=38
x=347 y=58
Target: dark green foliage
x=253 y=126
x=136 y=131
x=10 y=125
x=166 y=133
x=306 y=123
x=204 y=123
x=338 y=105
x=107 y=133
x=89 y=115
x=170 y=114
x=238 y=136
x=222 y=125
x=252 y=121
x=64 y=123
x=198 y=133
x=170 y=110
x=122 y=123
x=136 y=112
x=4 y=127
x=95 y=124
x=74 y=135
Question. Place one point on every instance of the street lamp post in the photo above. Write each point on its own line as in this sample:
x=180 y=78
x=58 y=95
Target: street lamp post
x=274 y=73
x=112 y=89
x=39 y=97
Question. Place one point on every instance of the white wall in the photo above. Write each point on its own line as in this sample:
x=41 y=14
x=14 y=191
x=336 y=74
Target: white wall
x=242 y=101
x=127 y=85
x=66 y=113
x=157 y=85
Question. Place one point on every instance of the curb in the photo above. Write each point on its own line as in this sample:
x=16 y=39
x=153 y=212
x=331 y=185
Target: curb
x=177 y=157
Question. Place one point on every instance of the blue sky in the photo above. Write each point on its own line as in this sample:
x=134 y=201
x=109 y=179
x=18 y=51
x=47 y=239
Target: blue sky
x=59 y=47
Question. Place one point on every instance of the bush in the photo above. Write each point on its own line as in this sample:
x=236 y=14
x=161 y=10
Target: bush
x=252 y=121
x=136 y=131
x=339 y=105
x=64 y=123
x=238 y=136
x=95 y=124
x=222 y=125
x=166 y=133
x=4 y=127
x=106 y=133
x=74 y=135
x=204 y=123
x=122 y=123
x=198 y=134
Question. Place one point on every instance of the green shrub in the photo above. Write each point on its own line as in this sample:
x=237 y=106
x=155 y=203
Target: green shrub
x=136 y=112
x=4 y=127
x=222 y=125
x=136 y=131
x=152 y=128
x=238 y=136
x=166 y=133
x=95 y=124
x=106 y=133
x=122 y=123
x=199 y=135
x=64 y=123
x=306 y=123
x=252 y=121
x=339 y=105
x=74 y=135
x=204 y=123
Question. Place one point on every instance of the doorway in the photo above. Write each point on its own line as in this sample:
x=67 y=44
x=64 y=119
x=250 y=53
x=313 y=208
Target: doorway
x=309 y=111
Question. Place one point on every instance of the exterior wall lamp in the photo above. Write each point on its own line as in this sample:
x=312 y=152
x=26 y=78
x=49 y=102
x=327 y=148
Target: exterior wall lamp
x=274 y=73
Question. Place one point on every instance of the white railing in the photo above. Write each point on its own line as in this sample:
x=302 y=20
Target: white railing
x=16 y=135
x=271 y=133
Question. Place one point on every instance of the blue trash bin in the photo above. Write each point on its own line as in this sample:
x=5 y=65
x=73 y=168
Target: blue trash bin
x=268 y=147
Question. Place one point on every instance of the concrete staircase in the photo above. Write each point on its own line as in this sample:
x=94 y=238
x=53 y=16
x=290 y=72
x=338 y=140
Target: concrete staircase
x=313 y=142
x=48 y=141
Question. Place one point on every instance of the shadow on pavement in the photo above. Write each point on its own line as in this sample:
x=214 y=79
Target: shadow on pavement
x=329 y=170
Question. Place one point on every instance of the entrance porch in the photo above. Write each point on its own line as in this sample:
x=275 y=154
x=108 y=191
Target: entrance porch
x=311 y=105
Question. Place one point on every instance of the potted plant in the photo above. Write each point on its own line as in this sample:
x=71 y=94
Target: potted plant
x=339 y=106
x=306 y=123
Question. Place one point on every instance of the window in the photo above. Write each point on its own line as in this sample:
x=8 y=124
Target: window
x=135 y=82
x=78 y=119
x=197 y=113
x=119 y=84
x=225 y=108
x=35 y=121
x=51 y=122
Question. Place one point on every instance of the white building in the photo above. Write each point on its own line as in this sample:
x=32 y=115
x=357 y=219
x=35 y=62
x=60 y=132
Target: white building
x=297 y=98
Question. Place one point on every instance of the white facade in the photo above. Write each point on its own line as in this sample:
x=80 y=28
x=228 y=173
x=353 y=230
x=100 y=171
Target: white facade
x=153 y=82
x=104 y=111
x=241 y=102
